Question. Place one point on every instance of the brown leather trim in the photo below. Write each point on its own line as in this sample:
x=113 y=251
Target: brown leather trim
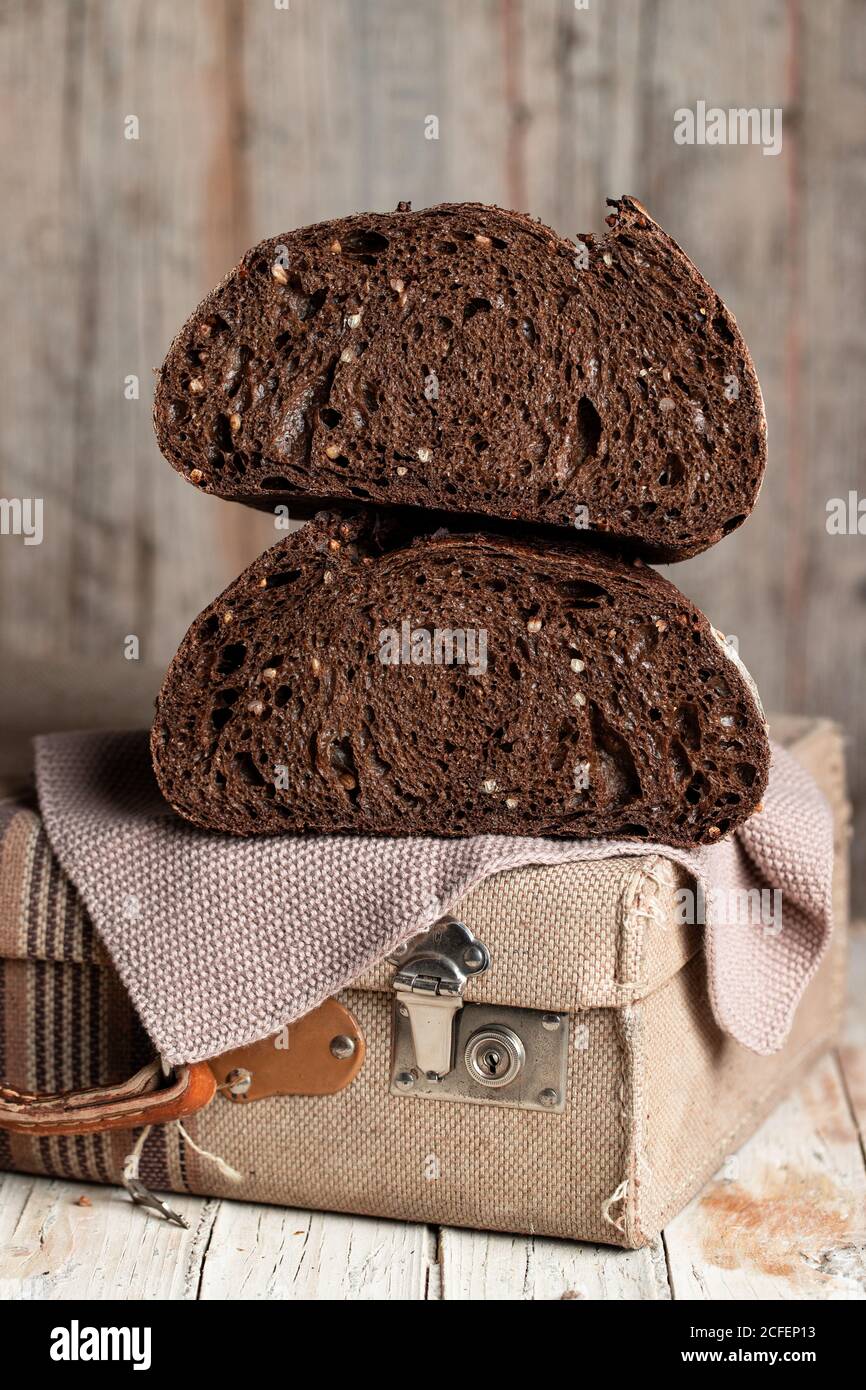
x=138 y=1101
x=299 y=1060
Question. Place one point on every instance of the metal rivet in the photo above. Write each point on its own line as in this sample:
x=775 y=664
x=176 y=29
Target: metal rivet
x=405 y=1080
x=342 y=1046
x=548 y=1096
x=550 y=1022
x=239 y=1081
x=473 y=957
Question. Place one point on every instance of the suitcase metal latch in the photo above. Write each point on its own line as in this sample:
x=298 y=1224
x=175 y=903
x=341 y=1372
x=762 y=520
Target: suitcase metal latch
x=446 y=1049
x=429 y=983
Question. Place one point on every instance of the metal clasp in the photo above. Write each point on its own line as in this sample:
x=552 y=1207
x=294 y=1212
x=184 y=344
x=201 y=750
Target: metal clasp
x=432 y=974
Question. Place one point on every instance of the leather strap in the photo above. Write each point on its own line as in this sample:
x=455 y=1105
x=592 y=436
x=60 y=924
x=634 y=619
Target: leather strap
x=318 y=1055
x=139 y=1101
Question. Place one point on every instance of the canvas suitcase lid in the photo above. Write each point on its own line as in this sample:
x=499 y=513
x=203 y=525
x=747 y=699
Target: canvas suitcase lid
x=595 y=934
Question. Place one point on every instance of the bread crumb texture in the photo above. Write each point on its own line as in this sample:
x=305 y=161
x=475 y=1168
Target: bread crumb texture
x=357 y=677
x=466 y=359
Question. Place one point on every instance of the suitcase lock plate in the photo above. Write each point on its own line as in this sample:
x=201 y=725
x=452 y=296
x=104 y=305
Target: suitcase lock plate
x=446 y=1049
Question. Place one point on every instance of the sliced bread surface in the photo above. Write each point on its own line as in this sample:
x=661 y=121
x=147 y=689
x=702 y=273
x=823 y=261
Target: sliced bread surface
x=466 y=359
x=355 y=678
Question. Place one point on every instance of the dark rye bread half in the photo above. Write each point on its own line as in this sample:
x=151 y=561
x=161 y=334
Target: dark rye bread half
x=593 y=698
x=466 y=359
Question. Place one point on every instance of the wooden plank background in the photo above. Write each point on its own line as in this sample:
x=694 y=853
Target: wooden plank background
x=254 y=119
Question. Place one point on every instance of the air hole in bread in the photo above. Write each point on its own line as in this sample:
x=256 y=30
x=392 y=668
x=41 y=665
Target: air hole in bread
x=232 y=658
x=679 y=761
x=221 y=434
x=245 y=766
x=697 y=788
x=580 y=593
x=688 y=724
x=306 y=306
x=589 y=428
x=364 y=242
x=673 y=472
x=476 y=306
x=614 y=763
x=276 y=581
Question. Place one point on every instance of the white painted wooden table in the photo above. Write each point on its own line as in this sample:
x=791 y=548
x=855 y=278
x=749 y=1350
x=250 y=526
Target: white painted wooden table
x=785 y=1219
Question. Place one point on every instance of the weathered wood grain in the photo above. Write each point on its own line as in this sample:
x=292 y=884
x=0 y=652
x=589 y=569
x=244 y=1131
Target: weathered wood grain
x=254 y=120
x=260 y=1252
x=481 y=1266
x=51 y=1247
x=111 y=242
x=776 y=236
x=786 y=1219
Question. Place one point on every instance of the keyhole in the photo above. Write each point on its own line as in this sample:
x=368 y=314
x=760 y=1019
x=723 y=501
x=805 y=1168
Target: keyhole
x=491 y=1060
x=494 y=1056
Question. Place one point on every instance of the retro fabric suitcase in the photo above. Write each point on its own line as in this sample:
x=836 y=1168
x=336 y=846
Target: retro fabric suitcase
x=629 y=1095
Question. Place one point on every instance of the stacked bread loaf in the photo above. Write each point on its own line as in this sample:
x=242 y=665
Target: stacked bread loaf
x=492 y=431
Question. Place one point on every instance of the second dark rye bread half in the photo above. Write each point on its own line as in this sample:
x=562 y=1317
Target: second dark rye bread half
x=466 y=359
x=354 y=680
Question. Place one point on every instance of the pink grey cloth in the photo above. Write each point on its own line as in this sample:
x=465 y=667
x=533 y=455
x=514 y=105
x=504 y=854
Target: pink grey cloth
x=220 y=941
